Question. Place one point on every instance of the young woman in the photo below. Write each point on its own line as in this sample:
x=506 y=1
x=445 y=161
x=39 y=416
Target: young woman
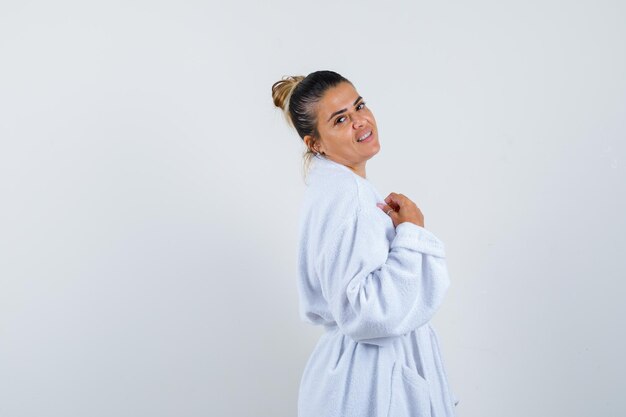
x=368 y=270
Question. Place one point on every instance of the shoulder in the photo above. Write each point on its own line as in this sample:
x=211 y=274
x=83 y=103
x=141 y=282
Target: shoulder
x=333 y=189
x=332 y=197
x=339 y=181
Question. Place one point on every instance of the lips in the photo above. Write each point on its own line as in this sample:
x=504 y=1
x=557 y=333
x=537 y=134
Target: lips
x=364 y=136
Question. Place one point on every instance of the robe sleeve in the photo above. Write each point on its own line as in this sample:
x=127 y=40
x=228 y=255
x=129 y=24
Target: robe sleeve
x=379 y=289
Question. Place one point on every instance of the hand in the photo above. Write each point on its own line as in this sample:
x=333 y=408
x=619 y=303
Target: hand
x=402 y=210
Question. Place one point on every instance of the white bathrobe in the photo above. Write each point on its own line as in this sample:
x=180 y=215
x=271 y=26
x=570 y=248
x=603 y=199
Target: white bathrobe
x=375 y=289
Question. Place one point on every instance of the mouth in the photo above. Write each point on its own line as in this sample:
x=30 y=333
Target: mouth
x=367 y=136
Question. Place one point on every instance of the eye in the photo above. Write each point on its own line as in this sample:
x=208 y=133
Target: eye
x=359 y=107
x=338 y=119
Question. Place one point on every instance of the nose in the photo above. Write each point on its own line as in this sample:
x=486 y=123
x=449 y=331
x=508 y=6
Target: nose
x=358 y=121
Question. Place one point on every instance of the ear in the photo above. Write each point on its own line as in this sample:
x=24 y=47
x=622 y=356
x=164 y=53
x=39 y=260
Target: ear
x=311 y=143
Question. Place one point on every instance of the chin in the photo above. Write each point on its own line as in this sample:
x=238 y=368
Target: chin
x=374 y=152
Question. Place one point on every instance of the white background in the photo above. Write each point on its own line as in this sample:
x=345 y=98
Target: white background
x=150 y=192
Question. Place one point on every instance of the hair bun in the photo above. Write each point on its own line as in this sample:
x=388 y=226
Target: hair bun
x=282 y=89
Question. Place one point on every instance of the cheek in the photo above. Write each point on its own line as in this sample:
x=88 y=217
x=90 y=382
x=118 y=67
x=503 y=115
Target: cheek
x=335 y=138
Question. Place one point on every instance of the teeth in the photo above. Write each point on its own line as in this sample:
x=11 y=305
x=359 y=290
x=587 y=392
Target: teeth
x=365 y=136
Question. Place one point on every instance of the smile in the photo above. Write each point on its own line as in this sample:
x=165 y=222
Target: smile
x=365 y=136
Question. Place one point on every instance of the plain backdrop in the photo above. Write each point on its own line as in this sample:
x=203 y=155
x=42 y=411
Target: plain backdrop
x=150 y=192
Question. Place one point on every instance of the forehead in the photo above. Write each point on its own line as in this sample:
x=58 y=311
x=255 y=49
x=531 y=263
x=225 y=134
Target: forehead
x=338 y=97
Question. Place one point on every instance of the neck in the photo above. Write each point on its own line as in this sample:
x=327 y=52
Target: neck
x=358 y=169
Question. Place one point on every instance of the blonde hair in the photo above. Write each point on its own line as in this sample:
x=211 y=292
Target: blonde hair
x=281 y=93
x=297 y=96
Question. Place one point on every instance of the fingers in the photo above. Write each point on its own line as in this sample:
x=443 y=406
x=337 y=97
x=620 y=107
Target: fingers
x=390 y=211
x=396 y=200
x=401 y=208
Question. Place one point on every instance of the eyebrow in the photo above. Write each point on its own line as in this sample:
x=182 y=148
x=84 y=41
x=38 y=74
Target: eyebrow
x=343 y=110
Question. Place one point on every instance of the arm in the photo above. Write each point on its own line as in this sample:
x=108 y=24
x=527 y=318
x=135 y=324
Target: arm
x=376 y=290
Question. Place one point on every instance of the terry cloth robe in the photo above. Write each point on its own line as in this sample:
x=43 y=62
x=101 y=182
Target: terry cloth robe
x=374 y=287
